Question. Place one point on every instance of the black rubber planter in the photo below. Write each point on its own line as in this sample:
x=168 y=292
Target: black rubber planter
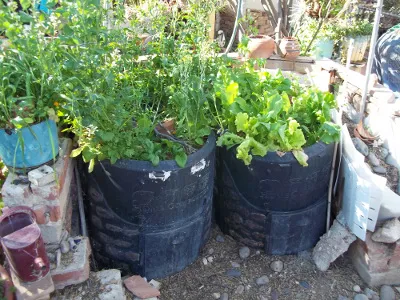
x=149 y=220
x=274 y=203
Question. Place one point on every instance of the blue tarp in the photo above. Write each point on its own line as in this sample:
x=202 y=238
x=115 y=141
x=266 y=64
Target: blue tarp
x=386 y=62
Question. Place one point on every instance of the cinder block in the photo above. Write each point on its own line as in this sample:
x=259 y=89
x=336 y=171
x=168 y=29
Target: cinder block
x=74 y=267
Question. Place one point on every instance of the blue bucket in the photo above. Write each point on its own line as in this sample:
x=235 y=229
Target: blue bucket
x=40 y=146
x=323 y=49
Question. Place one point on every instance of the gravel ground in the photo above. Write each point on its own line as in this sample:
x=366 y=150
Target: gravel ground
x=299 y=278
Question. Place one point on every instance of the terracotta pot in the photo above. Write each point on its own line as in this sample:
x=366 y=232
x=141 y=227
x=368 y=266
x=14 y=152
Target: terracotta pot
x=290 y=48
x=260 y=46
x=7 y=285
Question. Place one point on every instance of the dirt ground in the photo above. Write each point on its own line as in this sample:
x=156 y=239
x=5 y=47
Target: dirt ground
x=299 y=278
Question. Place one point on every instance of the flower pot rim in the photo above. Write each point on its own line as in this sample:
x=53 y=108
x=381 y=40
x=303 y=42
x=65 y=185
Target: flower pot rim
x=30 y=125
x=260 y=37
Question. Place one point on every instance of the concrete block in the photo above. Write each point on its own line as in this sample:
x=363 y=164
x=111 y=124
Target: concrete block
x=42 y=176
x=74 y=267
x=37 y=290
x=111 y=285
x=332 y=245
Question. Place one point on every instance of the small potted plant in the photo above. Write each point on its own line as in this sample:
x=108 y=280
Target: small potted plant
x=29 y=91
x=360 y=31
x=277 y=148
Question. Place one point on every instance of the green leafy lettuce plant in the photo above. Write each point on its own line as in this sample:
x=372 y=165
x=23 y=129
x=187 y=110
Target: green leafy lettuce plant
x=258 y=112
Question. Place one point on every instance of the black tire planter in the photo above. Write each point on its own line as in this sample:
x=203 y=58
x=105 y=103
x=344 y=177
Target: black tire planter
x=274 y=203
x=148 y=220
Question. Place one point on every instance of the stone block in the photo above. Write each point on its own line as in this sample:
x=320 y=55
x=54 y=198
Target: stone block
x=37 y=290
x=42 y=175
x=74 y=267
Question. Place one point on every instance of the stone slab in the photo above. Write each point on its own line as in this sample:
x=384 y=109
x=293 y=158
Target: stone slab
x=74 y=267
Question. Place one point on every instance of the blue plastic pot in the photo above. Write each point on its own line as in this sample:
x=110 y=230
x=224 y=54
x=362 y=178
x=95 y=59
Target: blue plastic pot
x=40 y=145
x=323 y=49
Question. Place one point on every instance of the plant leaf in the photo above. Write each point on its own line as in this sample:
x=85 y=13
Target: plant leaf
x=301 y=157
x=181 y=159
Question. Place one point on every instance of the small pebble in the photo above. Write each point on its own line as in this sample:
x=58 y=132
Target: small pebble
x=217 y=295
x=360 y=297
x=380 y=170
x=155 y=284
x=305 y=284
x=383 y=153
x=360 y=146
x=210 y=259
x=224 y=296
x=244 y=252
x=235 y=264
x=258 y=252
x=205 y=262
x=64 y=247
x=248 y=287
x=276 y=266
x=220 y=238
x=239 y=289
x=387 y=293
x=342 y=298
x=274 y=295
x=357 y=288
x=233 y=273
x=391 y=161
x=370 y=293
x=210 y=251
x=262 y=280
x=373 y=159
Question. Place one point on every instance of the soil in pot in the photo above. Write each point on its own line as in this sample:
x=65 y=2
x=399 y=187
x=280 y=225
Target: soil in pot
x=274 y=203
x=148 y=220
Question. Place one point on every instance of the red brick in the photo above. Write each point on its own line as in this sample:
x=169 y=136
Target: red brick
x=41 y=211
x=140 y=288
x=375 y=249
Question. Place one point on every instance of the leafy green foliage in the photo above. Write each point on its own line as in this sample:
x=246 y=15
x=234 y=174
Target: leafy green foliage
x=260 y=113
